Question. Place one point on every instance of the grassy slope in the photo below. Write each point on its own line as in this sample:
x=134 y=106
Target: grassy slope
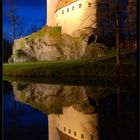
x=104 y=66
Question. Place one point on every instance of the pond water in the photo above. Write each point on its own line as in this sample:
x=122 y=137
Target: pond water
x=41 y=111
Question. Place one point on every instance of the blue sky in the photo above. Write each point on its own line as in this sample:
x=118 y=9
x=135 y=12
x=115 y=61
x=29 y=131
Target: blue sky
x=32 y=12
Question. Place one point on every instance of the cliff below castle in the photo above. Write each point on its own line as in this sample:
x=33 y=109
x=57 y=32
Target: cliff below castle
x=50 y=44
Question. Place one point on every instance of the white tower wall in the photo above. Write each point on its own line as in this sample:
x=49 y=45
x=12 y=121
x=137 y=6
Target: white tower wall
x=77 y=18
x=51 y=7
x=53 y=133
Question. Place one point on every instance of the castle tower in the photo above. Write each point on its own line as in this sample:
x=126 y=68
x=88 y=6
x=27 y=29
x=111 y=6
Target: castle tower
x=75 y=14
x=51 y=7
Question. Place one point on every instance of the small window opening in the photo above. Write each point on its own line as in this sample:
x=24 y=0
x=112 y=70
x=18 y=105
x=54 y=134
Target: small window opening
x=82 y=136
x=69 y=131
x=92 y=137
x=89 y=4
x=67 y=9
x=74 y=133
x=62 y=11
x=72 y=7
x=80 y=5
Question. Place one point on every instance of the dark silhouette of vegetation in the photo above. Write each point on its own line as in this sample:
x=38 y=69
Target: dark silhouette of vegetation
x=107 y=39
x=112 y=16
x=20 y=53
x=12 y=17
x=7 y=49
x=18 y=24
x=130 y=22
x=100 y=67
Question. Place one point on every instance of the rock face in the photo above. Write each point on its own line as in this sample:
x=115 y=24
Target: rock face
x=49 y=44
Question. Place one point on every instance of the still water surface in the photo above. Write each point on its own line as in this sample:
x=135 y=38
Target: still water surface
x=40 y=111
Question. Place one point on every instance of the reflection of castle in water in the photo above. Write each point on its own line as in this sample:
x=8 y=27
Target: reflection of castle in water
x=71 y=115
x=73 y=125
x=82 y=112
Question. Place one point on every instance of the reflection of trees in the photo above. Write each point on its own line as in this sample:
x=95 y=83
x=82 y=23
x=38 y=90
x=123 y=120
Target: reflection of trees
x=92 y=130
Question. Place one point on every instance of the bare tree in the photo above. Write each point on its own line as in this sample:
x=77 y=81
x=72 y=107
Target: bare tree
x=131 y=22
x=21 y=27
x=117 y=15
x=12 y=17
x=17 y=22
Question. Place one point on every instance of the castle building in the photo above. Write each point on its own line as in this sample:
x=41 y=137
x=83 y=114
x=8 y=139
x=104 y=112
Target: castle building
x=71 y=14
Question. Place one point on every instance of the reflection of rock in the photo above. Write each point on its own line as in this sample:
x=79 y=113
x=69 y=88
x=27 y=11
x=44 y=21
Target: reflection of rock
x=51 y=98
x=81 y=111
x=95 y=50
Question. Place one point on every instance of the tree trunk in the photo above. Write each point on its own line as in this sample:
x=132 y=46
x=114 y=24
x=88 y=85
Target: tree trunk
x=118 y=48
x=119 y=111
x=117 y=34
x=13 y=26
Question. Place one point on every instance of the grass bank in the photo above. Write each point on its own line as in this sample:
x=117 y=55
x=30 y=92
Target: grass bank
x=99 y=67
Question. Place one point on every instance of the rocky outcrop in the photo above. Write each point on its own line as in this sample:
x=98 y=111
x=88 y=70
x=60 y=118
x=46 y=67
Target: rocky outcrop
x=49 y=44
x=95 y=50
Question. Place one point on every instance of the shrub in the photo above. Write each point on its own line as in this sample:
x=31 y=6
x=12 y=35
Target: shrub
x=54 y=32
x=10 y=60
x=20 y=53
x=21 y=86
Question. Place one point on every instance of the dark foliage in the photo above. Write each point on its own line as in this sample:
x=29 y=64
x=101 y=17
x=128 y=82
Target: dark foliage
x=107 y=39
x=7 y=49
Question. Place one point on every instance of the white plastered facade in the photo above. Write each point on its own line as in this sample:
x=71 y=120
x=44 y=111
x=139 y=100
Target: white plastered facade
x=72 y=19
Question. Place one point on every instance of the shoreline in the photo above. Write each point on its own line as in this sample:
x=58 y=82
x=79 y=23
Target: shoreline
x=77 y=69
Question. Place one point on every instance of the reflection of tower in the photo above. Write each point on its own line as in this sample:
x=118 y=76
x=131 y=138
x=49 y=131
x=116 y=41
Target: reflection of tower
x=53 y=134
x=51 y=7
x=73 y=125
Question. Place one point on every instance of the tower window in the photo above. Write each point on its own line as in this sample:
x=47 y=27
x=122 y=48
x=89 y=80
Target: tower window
x=74 y=133
x=72 y=7
x=82 y=136
x=62 y=11
x=89 y=4
x=67 y=9
x=64 y=128
x=80 y=5
x=92 y=137
x=69 y=131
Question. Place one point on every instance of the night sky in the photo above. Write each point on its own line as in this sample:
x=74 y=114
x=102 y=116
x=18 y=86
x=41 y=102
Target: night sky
x=33 y=12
